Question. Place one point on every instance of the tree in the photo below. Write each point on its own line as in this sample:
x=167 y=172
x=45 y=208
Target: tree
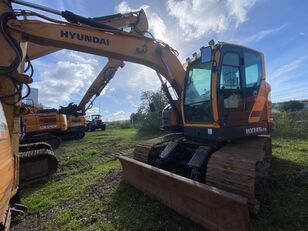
x=145 y=119
x=292 y=105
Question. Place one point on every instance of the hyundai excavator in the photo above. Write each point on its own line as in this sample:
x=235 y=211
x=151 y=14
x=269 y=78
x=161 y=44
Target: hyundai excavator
x=214 y=171
x=44 y=129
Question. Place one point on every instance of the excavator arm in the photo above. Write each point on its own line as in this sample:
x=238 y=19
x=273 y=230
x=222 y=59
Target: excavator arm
x=99 y=83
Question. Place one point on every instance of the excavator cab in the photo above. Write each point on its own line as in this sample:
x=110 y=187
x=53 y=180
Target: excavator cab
x=225 y=95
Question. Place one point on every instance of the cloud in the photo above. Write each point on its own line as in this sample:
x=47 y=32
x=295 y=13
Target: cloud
x=93 y=110
x=287 y=68
x=84 y=58
x=69 y=76
x=119 y=115
x=111 y=90
x=197 y=18
x=131 y=101
x=156 y=24
x=145 y=79
x=263 y=34
x=114 y=99
x=288 y=83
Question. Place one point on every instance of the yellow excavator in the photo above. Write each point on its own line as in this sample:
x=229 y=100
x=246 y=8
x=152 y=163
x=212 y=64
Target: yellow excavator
x=212 y=171
x=44 y=129
x=40 y=125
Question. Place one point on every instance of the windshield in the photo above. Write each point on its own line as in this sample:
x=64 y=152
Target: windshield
x=197 y=101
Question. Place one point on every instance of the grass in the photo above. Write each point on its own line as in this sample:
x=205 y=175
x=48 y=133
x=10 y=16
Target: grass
x=88 y=194
x=285 y=206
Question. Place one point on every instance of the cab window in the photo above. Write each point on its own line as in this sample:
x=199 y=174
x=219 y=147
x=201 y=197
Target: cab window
x=253 y=69
x=230 y=72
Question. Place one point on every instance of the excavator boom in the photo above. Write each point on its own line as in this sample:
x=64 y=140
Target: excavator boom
x=99 y=83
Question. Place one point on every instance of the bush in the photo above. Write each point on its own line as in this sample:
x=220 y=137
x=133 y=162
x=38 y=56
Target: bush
x=292 y=106
x=145 y=119
x=122 y=124
x=291 y=124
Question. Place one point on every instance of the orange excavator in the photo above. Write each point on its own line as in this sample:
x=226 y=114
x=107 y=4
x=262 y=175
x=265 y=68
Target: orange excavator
x=214 y=171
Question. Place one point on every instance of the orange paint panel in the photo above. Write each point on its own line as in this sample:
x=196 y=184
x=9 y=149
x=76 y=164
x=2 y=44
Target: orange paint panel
x=214 y=91
x=259 y=104
x=6 y=171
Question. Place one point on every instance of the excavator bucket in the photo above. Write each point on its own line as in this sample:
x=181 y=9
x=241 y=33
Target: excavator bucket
x=211 y=207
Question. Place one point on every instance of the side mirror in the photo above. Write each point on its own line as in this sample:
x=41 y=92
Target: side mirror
x=152 y=107
x=206 y=54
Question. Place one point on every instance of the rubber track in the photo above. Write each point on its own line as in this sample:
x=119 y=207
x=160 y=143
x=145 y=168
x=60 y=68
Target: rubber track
x=242 y=167
x=54 y=141
x=36 y=154
x=33 y=146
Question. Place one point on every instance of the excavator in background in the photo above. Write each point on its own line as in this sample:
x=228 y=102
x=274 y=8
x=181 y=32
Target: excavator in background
x=39 y=124
x=213 y=172
x=34 y=143
x=95 y=90
x=74 y=111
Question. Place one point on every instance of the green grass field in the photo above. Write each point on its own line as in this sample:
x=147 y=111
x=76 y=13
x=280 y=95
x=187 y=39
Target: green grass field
x=87 y=193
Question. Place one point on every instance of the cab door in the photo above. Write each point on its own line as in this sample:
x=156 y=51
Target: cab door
x=231 y=99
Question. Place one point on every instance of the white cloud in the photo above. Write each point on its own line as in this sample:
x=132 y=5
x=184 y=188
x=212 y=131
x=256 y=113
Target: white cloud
x=60 y=81
x=78 y=58
x=93 y=110
x=111 y=90
x=131 y=101
x=104 y=91
x=287 y=68
x=114 y=99
x=144 y=79
x=264 y=34
x=198 y=17
x=301 y=33
x=119 y=115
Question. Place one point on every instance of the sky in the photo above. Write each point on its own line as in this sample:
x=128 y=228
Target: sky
x=278 y=28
